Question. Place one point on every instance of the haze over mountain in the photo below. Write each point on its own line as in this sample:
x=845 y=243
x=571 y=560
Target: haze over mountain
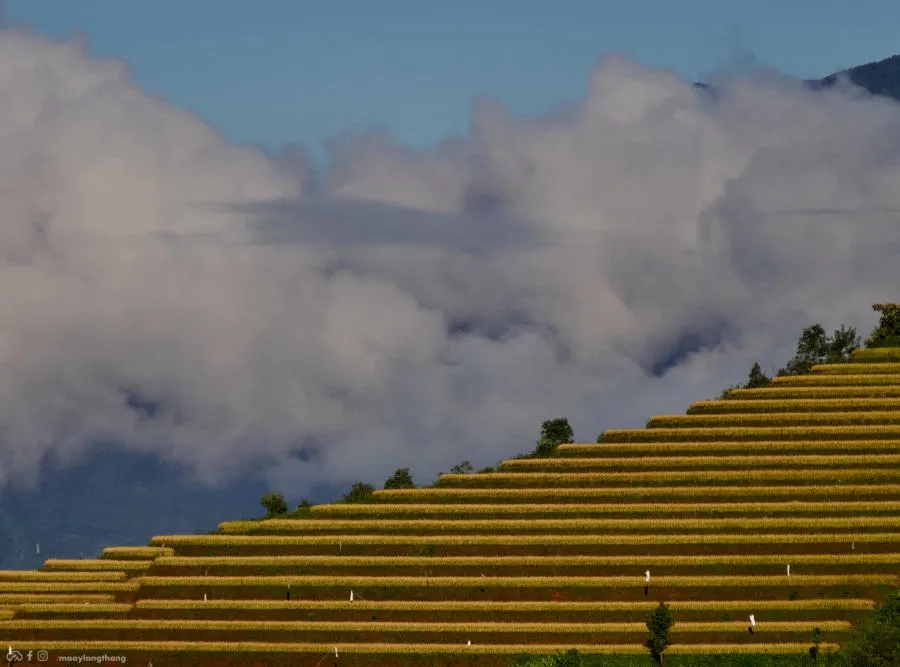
x=182 y=312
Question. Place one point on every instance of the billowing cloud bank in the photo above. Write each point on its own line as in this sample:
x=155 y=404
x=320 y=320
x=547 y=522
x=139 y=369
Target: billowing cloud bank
x=620 y=258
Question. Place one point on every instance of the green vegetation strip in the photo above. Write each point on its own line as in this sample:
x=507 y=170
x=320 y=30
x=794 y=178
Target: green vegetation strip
x=748 y=433
x=540 y=479
x=16 y=599
x=731 y=523
x=135 y=552
x=73 y=607
x=410 y=626
x=775 y=391
x=778 y=507
x=710 y=448
x=822 y=380
x=71 y=565
x=529 y=561
x=875 y=354
x=68 y=586
x=42 y=575
x=732 y=405
x=560 y=494
x=874 y=368
x=681 y=538
x=406 y=649
x=784 y=461
x=738 y=581
x=836 y=604
x=738 y=419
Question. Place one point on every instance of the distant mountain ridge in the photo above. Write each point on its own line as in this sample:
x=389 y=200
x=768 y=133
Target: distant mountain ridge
x=881 y=77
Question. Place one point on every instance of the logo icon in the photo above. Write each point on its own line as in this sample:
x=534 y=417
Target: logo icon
x=13 y=655
x=43 y=656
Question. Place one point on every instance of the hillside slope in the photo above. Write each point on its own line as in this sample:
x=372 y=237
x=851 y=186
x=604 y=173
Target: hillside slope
x=543 y=554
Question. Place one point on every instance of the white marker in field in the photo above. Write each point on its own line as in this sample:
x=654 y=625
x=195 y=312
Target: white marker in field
x=647 y=577
x=351 y=595
x=204 y=597
x=788 y=570
x=752 y=621
x=469 y=643
x=335 y=652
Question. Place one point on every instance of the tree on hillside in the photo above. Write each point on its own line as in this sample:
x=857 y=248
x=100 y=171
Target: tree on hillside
x=274 y=504
x=816 y=347
x=464 y=468
x=757 y=378
x=876 y=642
x=658 y=624
x=887 y=333
x=557 y=430
x=554 y=432
x=400 y=480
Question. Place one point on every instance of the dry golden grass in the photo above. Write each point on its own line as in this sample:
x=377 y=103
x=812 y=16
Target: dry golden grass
x=530 y=561
x=778 y=507
x=347 y=581
x=681 y=538
x=406 y=649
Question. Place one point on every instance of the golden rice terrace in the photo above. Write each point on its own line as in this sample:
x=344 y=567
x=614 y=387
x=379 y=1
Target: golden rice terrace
x=780 y=502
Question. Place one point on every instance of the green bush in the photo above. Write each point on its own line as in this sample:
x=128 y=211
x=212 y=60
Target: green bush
x=876 y=643
x=274 y=504
x=359 y=493
x=400 y=480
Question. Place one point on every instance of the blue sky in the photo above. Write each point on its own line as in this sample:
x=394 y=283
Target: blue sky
x=279 y=71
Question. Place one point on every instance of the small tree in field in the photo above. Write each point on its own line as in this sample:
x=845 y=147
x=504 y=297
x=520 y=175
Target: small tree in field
x=463 y=468
x=757 y=378
x=359 y=493
x=400 y=480
x=274 y=504
x=658 y=624
x=554 y=432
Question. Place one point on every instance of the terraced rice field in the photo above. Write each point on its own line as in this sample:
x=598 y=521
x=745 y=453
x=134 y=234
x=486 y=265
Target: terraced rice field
x=541 y=555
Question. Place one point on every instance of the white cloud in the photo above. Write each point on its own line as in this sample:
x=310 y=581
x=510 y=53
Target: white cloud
x=416 y=308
